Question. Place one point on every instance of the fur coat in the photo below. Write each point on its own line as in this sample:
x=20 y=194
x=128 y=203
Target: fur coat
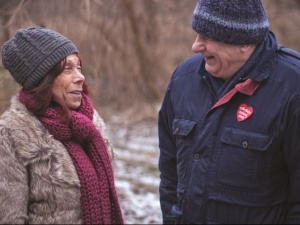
x=38 y=181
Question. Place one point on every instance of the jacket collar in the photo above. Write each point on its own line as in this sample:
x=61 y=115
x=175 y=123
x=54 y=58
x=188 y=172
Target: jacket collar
x=262 y=70
x=248 y=87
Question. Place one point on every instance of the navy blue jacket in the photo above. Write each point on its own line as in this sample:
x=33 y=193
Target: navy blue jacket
x=235 y=159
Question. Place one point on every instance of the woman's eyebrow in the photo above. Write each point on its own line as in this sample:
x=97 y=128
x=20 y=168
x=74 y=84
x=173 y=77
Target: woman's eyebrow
x=73 y=61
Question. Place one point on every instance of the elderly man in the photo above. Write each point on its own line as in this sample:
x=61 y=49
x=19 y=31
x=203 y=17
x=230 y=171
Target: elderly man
x=229 y=124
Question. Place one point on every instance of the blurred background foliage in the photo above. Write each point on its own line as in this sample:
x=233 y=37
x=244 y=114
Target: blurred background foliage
x=129 y=48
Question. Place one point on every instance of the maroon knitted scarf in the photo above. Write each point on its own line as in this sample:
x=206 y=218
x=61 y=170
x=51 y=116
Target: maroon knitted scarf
x=88 y=151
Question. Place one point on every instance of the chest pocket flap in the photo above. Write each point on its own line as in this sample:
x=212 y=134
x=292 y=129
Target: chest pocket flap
x=246 y=139
x=182 y=127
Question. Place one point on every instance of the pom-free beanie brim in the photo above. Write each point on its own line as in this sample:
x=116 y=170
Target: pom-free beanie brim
x=48 y=63
x=232 y=22
x=33 y=52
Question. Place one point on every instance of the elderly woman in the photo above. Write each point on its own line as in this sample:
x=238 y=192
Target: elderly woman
x=55 y=165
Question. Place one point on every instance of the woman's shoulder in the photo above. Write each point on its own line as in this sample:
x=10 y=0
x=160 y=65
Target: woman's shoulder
x=24 y=137
x=18 y=118
x=101 y=126
x=99 y=122
x=20 y=129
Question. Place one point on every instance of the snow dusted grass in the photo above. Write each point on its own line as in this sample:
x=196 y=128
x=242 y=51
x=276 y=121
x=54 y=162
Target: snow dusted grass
x=136 y=172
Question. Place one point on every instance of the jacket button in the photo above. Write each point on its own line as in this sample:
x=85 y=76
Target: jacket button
x=245 y=144
x=176 y=130
x=197 y=156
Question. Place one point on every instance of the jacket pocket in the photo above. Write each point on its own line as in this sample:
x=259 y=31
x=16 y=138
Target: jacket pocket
x=182 y=127
x=182 y=130
x=243 y=159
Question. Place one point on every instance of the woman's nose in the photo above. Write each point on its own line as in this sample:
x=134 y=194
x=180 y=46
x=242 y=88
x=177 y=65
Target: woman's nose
x=198 y=45
x=79 y=77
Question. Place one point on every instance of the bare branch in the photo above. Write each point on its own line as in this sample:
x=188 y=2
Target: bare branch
x=15 y=12
x=88 y=10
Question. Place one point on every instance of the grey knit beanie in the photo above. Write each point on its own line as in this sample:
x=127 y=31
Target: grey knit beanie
x=33 y=52
x=231 y=21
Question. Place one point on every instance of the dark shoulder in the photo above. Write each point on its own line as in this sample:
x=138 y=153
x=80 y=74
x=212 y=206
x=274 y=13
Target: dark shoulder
x=188 y=66
x=289 y=57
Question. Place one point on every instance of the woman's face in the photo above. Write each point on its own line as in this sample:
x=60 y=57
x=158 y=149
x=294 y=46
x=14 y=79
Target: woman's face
x=67 y=86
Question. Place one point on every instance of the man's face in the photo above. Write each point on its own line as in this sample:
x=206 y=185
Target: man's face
x=221 y=60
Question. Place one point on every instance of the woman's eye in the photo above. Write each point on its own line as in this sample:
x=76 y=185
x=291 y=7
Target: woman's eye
x=68 y=68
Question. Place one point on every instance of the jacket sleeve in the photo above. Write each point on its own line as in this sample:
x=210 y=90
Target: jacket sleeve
x=13 y=183
x=291 y=146
x=167 y=160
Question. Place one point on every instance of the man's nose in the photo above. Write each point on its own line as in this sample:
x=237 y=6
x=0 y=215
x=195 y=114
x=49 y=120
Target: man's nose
x=199 y=45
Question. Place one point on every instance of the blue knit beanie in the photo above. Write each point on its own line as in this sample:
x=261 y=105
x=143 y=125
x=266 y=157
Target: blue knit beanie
x=33 y=52
x=231 y=21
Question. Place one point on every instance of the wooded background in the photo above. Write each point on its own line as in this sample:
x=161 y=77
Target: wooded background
x=129 y=48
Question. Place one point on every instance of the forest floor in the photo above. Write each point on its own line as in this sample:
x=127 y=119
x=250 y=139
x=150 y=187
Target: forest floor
x=136 y=171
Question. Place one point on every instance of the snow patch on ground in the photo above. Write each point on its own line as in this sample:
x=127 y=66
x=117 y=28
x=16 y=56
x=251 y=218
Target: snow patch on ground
x=136 y=172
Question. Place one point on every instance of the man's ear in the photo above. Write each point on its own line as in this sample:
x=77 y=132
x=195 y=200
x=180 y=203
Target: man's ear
x=246 y=48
